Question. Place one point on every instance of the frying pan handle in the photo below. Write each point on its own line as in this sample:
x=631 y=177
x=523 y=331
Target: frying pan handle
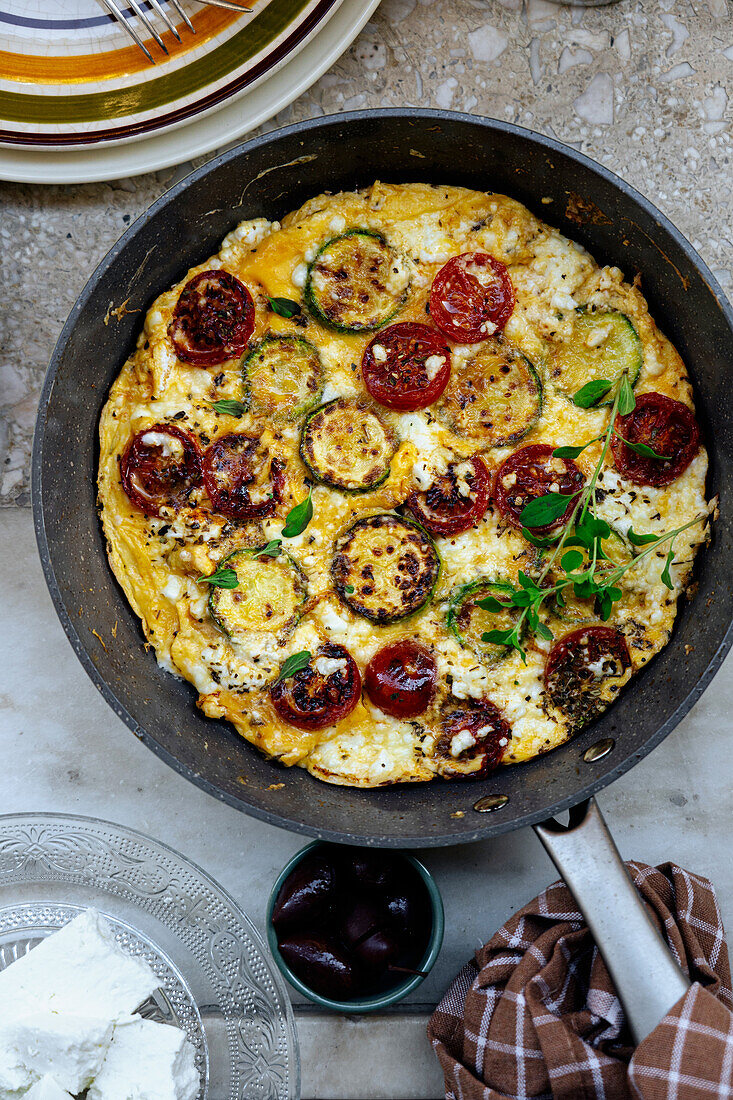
x=648 y=980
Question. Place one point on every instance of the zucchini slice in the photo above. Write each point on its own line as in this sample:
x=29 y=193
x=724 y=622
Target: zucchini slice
x=347 y=446
x=572 y=609
x=283 y=377
x=467 y=621
x=603 y=344
x=267 y=600
x=385 y=568
x=494 y=396
x=357 y=282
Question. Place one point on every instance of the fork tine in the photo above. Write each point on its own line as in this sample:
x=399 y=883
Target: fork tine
x=228 y=4
x=143 y=17
x=115 y=12
x=165 y=17
x=183 y=16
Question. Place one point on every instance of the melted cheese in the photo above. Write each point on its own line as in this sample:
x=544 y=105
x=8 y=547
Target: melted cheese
x=158 y=562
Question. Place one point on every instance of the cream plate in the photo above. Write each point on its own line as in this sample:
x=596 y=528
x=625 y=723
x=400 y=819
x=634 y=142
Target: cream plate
x=88 y=164
x=69 y=74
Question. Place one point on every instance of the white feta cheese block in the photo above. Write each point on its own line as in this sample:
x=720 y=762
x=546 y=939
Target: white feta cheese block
x=47 y=1089
x=80 y=970
x=72 y=1048
x=147 y=1061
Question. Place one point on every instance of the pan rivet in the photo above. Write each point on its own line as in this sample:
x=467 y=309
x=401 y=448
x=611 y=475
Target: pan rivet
x=599 y=750
x=490 y=802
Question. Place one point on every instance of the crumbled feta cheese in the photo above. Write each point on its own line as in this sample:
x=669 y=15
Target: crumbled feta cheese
x=150 y=1060
x=168 y=444
x=598 y=335
x=337 y=224
x=299 y=275
x=328 y=666
x=460 y=741
x=379 y=352
x=434 y=364
x=173 y=587
x=423 y=475
x=563 y=302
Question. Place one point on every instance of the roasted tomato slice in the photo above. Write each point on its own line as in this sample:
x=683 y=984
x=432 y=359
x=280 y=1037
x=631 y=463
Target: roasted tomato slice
x=322 y=693
x=400 y=678
x=213 y=319
x=665 y=425
x=241 y=478
x=455 y=501
x=584 y=670
x=474 y=738
x=407 y=366
x=160 y=467
x=533 y=472
x=471 y=298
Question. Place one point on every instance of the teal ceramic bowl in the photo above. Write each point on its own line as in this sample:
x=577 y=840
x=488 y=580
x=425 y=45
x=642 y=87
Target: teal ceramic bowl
x=377 y=1001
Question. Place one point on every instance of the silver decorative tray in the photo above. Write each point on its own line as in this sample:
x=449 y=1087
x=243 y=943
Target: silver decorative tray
x=217 y=980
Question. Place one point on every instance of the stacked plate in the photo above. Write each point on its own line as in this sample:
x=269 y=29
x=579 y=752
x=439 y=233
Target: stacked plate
x=80 y=102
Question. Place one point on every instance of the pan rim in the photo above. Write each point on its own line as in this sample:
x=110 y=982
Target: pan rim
x=495 y=826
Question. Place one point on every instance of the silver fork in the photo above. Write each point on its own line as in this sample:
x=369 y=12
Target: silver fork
x=116 y=12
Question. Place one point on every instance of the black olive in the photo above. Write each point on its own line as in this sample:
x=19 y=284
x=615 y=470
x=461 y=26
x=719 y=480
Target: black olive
x=321 y=963
x=377 y=952
x=306 y=895
x=362 y=917
x=377 y=871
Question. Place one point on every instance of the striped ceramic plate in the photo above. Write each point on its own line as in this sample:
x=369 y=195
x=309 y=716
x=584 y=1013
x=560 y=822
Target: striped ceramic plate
x=69 y=75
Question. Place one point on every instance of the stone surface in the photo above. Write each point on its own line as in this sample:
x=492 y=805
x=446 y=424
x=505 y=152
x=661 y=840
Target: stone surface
x=644 y=86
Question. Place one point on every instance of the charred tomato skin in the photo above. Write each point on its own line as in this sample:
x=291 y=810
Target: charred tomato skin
x=311 y=701
x=400 y=678
x=665 y=425
x=570 y=681
x=462 y=306
x=443 y=511
x=213 y=319
x=149 y=481
x=400 y=380
x=230 y=467
x=473 y=715
x=532 y=473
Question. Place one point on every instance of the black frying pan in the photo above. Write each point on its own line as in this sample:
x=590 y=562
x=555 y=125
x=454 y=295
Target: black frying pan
x=270 y=176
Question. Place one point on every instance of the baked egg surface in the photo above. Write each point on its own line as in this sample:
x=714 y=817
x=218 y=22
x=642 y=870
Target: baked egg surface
x=406 y=359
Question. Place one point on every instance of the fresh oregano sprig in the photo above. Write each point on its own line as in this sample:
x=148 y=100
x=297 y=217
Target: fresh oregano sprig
x=584 y=530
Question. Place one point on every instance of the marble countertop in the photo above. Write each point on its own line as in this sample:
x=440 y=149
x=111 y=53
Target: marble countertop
x=644 y=87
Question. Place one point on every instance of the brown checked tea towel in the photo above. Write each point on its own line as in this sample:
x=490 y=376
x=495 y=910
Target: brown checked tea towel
x=536 y=1015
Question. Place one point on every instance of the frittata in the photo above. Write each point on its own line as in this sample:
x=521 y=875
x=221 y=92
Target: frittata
x=355 y=460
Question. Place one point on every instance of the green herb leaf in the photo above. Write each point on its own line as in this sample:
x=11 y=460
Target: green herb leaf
x=229 y=407
x=666 y=577
x=572 y=452
x=535 y=540
x=592 y=392
x=505 y=637
x=272 y=550
x=545 y=509
x=284 y=307
x=527 y=582
x=349 y=589
x=591 y=528
x=641 y=448
x=543 y=631
x=222 y=578
x=640 y=540
x=521 y=598
x=572 y=560
x=299 y=517
x=490 y=603
x=295 y=663
x=626 y=399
